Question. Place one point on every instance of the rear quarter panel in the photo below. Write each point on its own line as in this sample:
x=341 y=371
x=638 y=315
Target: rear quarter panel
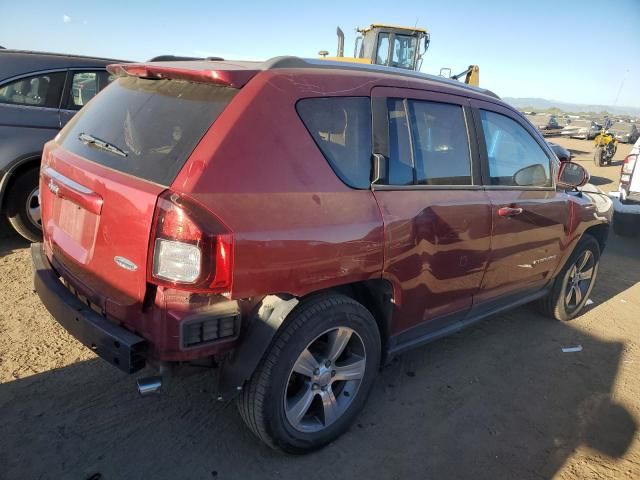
x=297 y=227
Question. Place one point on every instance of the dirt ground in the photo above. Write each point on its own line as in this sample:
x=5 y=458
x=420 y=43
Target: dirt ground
x=499 y=400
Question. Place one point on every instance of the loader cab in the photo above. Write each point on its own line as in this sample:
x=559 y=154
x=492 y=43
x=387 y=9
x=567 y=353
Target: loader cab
x=392 y=46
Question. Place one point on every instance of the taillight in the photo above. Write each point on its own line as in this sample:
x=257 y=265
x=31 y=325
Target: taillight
x=190 y=249
x=629 y=163
x=627 y=168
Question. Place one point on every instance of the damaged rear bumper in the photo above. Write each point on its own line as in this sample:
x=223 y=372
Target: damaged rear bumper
x=113 y=343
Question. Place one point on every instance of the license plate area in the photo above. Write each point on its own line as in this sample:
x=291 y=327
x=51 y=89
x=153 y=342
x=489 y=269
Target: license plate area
x=74 y=229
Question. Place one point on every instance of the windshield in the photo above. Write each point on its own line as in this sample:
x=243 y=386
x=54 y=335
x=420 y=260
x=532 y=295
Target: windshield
x=146 y=128
x=404 y=50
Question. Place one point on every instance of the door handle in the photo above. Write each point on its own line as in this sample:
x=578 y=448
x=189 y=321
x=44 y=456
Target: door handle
x=509 y=211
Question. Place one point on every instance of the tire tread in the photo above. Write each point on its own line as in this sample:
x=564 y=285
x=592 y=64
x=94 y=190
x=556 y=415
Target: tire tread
x=251 y=401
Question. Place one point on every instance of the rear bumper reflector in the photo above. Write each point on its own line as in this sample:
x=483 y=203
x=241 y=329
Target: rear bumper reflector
x=221 y=323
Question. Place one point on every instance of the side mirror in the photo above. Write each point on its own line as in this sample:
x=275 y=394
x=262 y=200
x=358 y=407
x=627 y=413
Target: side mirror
x=531 y=176
x=572 y=175
x=427 y=41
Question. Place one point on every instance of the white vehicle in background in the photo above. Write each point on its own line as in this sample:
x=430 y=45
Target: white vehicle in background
x=626 y=201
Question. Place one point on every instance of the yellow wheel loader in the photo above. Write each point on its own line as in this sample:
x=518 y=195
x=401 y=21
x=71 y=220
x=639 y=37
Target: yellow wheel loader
x=394 y=46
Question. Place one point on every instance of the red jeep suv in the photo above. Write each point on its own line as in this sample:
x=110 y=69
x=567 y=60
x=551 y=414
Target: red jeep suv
x=299 y=222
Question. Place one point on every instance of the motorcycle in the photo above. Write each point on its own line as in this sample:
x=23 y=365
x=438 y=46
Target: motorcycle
x=606 y=145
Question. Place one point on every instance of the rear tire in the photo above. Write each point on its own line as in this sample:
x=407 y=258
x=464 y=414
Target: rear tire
x=23 y=206
x=295 y=401
x=571 y=288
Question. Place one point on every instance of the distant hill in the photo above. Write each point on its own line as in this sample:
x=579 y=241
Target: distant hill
x=543 y=104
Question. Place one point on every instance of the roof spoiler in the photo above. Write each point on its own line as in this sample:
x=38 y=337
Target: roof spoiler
x=228 y=78
x=178 y=58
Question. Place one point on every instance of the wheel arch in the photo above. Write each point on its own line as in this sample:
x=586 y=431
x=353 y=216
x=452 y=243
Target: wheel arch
x=272 y=311
x=377 y=297
x=17 y=168
x=600 y=232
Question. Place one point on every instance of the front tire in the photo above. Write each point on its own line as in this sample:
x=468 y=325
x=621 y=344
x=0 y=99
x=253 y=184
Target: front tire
x=598 y=157
x=315 y=377
x=23 y=205
x=573 y=285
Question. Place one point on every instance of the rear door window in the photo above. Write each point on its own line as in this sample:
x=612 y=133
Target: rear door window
x=341 y=127
x=37 y=91
x=156 y=124
x=440 y=143
x=84 y=86
x=428 y=143
x=515 y=158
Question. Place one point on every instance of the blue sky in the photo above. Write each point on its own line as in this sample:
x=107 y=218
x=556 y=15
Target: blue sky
x=573 y=51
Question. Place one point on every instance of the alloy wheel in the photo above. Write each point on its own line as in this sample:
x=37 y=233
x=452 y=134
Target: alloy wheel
x=325 y=379
x=578 y=280
x=33 y=208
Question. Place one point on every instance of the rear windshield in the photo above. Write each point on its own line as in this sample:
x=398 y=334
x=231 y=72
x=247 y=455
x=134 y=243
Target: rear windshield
x=149 y=127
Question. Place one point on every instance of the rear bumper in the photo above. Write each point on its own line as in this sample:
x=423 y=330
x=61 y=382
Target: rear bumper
x=630 y=208
x=113 y=343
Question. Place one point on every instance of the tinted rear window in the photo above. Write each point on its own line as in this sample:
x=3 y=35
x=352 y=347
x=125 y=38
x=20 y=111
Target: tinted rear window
x=341 y=127
x=157 y=123
x=440 y=144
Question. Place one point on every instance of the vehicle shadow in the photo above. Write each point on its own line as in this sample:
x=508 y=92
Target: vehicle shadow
x=501 y=399
x=619 y=268
x=599 y=180
x=9 y=239
x=575 y=151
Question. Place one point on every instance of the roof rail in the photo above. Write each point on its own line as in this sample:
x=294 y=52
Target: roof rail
x=172 y=58
x=297 y=62
x=54 y=54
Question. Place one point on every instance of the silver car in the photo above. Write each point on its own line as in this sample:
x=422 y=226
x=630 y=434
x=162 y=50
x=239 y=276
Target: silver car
x=625 y=132
x=586 y=129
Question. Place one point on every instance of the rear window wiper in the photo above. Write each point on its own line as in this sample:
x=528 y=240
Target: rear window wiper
x=101 y=144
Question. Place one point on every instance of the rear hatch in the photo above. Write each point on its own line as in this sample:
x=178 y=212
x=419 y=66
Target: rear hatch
x=101 y=178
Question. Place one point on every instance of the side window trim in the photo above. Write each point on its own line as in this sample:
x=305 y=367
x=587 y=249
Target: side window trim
x=412 y=152
x=482 y=148
x=484 y=159
x=64 y=98
x=473 y=135
x=380 y=137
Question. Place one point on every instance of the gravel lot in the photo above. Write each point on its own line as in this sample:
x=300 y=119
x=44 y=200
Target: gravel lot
x=499 y=400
